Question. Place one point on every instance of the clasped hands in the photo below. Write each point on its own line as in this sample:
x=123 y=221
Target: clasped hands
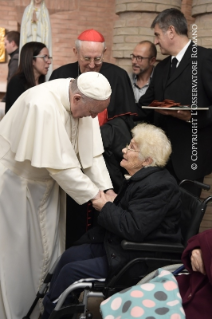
x=102 y=198
x=34 y=17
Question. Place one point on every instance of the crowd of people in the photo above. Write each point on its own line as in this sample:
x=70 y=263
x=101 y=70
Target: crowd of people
x=80 y=134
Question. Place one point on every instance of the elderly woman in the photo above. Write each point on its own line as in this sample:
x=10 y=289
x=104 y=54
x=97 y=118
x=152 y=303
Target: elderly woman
x=146 y=208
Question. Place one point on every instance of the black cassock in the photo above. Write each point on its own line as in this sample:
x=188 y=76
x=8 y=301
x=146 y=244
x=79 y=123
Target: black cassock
x=115 y=135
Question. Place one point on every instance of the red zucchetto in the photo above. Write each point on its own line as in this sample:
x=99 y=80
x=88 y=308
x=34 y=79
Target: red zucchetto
x=91 y=35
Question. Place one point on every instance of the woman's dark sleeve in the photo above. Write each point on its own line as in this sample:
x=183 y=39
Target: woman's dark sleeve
x=14 y=89
x=145 y=211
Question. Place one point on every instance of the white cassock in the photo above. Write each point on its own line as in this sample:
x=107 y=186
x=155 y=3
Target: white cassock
x=43 y=151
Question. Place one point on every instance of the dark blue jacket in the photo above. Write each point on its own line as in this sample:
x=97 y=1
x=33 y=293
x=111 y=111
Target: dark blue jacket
x=147 y=208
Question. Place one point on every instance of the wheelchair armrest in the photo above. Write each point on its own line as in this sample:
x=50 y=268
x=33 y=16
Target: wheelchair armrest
x=153 y=247
x=198 y=184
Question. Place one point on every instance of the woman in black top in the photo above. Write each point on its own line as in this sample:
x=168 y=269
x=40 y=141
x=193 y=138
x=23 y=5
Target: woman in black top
x=34 y=65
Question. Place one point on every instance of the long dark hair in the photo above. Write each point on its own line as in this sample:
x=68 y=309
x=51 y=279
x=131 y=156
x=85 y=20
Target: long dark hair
x=28 y=51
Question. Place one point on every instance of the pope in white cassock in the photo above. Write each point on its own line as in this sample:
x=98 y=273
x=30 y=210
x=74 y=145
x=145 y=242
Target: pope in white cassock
x=50 y=143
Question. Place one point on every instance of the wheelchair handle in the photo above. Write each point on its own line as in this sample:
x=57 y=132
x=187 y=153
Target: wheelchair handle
x=199 y=184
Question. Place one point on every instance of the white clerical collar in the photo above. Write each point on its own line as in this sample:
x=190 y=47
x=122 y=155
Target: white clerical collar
x=180 y=55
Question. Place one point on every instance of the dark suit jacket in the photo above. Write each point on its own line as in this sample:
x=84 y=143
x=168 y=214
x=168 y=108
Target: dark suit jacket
x=179 y=87
x=13 y=64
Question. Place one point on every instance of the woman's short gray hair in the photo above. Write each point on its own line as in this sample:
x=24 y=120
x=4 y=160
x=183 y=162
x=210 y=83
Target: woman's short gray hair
x=152 y=142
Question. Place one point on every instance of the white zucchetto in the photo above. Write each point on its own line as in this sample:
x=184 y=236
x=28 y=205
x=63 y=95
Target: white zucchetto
x=94 y=85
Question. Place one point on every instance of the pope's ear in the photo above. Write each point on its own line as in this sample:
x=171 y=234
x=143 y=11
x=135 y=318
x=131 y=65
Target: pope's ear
x=77 y=97
x=105 y=49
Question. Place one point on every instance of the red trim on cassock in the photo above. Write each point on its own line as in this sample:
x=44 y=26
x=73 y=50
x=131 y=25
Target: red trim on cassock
x=102 y=117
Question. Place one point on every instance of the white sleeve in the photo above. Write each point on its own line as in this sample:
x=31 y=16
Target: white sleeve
x=75 y=184
x=98 y=173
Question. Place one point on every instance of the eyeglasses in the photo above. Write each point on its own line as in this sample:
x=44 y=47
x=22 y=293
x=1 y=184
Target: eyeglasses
x=46 y=58
x=138 y=57
x=96 y=60
x=131 y=149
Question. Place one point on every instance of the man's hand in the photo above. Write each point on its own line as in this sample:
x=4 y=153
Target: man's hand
x=99 y=202
x=197 y=262
x=181 y=115
x=96 y=197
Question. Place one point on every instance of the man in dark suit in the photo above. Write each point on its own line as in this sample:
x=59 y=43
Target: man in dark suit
x=187 y=81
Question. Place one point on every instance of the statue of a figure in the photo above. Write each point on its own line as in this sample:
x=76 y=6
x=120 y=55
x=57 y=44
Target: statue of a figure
x=35 y=26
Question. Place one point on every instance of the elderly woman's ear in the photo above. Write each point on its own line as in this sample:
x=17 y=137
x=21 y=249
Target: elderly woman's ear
x=148 y=161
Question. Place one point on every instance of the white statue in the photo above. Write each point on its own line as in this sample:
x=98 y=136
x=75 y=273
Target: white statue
x=35 y=26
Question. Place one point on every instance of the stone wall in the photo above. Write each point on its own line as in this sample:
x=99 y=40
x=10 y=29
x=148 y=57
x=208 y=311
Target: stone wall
x=133 y=26
x=68 y=20
x=202 y=12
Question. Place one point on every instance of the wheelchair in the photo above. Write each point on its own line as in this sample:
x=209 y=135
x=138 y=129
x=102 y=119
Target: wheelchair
x=193 y=212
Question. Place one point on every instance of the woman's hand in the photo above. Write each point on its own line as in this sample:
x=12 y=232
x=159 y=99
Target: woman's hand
x=197 y=261
x=110 y=195
x=99 y=202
